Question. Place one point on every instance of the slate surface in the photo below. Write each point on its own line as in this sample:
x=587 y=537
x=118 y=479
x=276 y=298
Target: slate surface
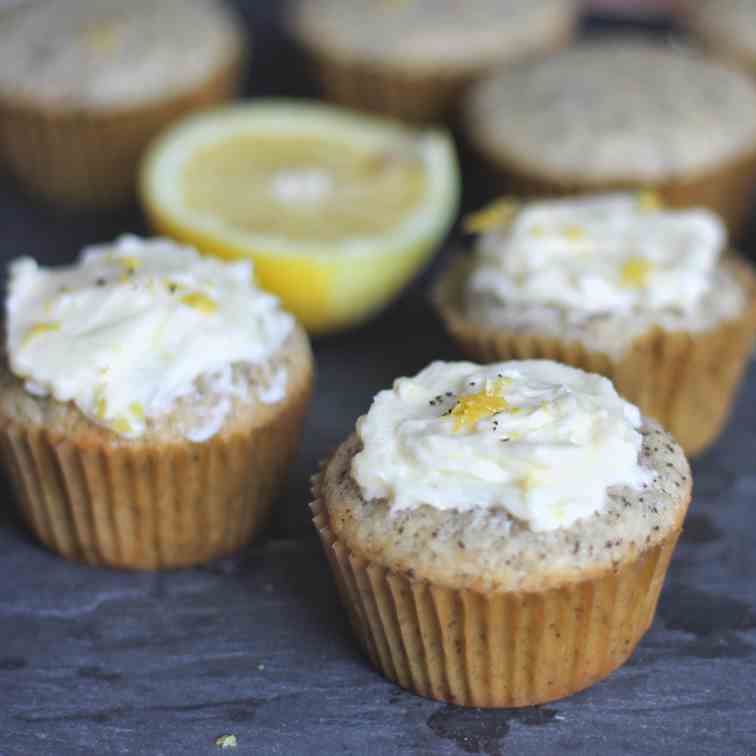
x=105 y=662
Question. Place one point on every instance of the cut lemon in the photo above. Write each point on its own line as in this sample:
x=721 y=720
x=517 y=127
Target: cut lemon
x=337 y=210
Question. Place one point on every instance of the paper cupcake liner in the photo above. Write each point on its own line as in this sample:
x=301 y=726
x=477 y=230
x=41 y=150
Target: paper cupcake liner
x=685 y=380
x=419 y=96
x=90 y=157
x=726 y=189
x=149 y=507
x=495 y=650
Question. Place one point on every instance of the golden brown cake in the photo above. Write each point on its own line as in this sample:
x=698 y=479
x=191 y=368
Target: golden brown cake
x=486 y=552
x=150 y=403
x=86 y=84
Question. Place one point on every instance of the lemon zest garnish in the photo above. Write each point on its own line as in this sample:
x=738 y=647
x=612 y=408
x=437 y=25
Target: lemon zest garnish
x=137 y=410
x=498 y=214
x=635 y=273
x=102 y=38
x=574 y=233
x=200 y=302
x=38 y=329
x=538 y=231
x=472 y=408
x=121 y=425
x=649 y=201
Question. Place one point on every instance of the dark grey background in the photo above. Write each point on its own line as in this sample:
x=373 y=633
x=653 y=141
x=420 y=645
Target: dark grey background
x=104 y=662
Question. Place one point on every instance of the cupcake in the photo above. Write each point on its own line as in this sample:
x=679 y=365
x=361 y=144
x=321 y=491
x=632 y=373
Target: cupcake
x=413 y=58
x=500 y=534
x=85 y=85
x=617 y=285
x=727 y=29
x=150 y=403
x=621 y=114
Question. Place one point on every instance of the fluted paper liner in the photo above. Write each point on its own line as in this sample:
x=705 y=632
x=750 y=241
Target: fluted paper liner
x=684 y=379
x=90 y=157
x=150 y=507
x=499 y=649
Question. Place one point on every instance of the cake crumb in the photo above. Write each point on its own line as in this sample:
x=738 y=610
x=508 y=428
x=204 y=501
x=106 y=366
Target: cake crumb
x=226 y=741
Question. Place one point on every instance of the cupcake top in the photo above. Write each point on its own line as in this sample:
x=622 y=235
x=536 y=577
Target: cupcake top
x=108 y=53
x=601 y=269
x=428 y=33
x=515 y=475
x=616 y=110
x=730 y=24
x=138 y=326
x=530 y=438
x=607 y=253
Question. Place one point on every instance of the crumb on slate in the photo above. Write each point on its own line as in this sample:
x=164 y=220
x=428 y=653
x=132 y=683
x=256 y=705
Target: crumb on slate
x=226 y=741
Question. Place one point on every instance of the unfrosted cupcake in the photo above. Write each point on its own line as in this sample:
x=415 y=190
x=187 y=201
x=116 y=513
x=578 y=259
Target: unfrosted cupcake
x=413 y=58
x=85 y=84
x=726 y=28
x=622 y=114
x=615 y=285
x=500 y=534
x=150 y=402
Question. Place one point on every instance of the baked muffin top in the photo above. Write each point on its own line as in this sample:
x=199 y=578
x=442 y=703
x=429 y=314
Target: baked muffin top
x=111 y=54
x=520 y=476
x=429 y=33
x=730 y=24
x=138 y=328
x=616 y=110
x=602 y=270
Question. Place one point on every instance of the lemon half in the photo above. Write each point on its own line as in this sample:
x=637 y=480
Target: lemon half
x=337 y=210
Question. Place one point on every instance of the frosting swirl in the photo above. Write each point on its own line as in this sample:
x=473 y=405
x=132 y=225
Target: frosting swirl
x=137 y=324
x=607 y=253
x=539 y=440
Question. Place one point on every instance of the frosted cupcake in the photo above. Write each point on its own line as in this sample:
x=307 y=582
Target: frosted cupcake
x=500 y=534
x=150 y=402
x=727 y=29
x=413 y=58
x=85 y=85
x=622 y=114
x=616 y=285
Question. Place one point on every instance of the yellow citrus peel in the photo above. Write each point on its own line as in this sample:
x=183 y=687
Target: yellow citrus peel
x=473 y=408
x=635 y=273
x=649 y=201
x=498 y=214
x=38 y=329
x=200 y=302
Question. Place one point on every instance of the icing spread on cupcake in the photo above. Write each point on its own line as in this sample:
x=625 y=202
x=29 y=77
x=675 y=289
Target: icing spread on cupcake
x=541 y=441
x=608 y=253
x=137 y=324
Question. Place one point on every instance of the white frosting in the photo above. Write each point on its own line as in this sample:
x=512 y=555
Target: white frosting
x=560 y=438
x=138 y=324
x=106 y=53
x=616 y=110
x=602 y=254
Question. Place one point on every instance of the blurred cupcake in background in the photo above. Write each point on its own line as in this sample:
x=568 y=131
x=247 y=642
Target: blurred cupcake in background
x=413 y=58
x=621 y=113
x=726 y=29
x=617 y=285
x=85 y=84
